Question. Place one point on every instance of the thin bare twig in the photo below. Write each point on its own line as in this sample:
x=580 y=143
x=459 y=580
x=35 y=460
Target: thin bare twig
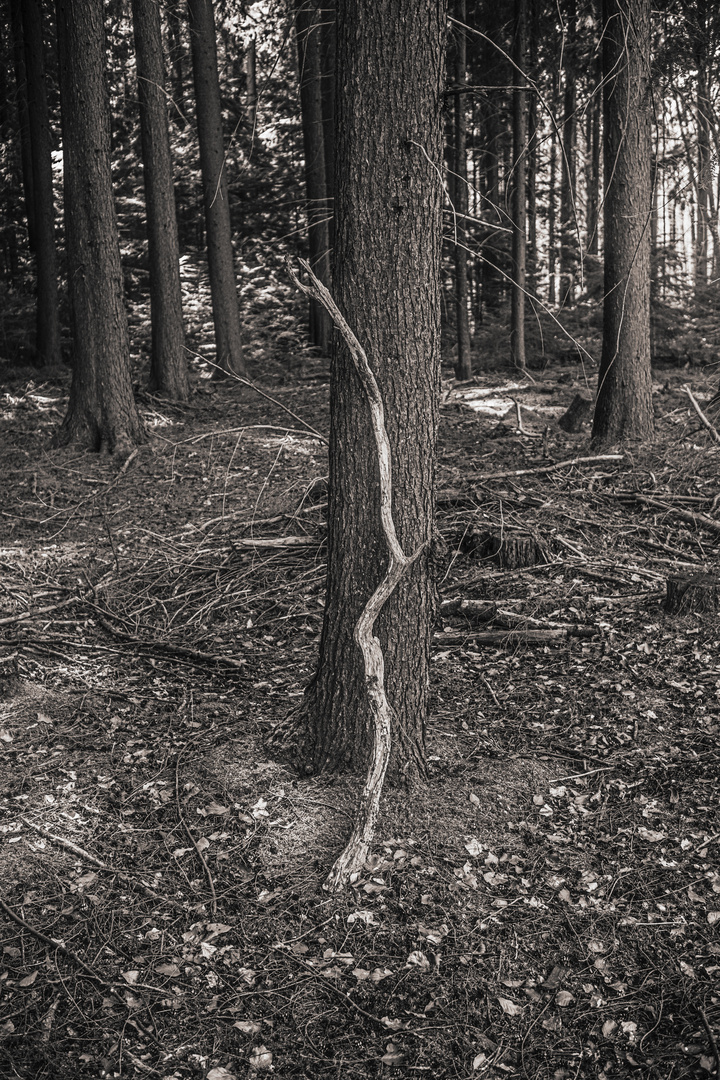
x=193 y=841
x=693 y=401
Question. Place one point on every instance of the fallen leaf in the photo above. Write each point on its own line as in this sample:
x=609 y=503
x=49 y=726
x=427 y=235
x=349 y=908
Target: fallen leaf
x=220 y=1074
x=261 y=1058
x=509 y=1006
x=361 y=974
x=608 y=1027
x=248 y=1027
x=687 y=969
x=552 y=1023
x=473 y=846
x=476 y=802
x=378 y=974
x=29 y=979
x=131 y=977
x=393 y=1056
x=394 y=1024
x=6 y=737
x=564 y=998
x=216 y=808
x=171 y=970
x=478 y=1061
x=418 y=960
x=713 y=917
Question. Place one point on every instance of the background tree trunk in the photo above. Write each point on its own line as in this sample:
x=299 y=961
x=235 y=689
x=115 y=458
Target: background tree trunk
x=251 y=95
x=221 y=262
x=463 y=367
x=168 y=365
x=390 y=57
x=47 y=321
x=568 y=183
x=308 y=34
x=519 y=204
x=624 y=403
x=101 y=413
x=21 y=97
x=327 y=72
x=176 y=56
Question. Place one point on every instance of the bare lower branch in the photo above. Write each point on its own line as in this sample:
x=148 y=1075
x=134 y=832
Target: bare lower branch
x=352 y=859
x=693 y=401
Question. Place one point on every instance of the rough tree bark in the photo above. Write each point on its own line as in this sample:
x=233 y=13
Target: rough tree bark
x=519 y=201
x=327 y=73
x=308 y=34
x=168 y=364
x=101 y=413
x=221 y=262
x=463 y=366
x=251 y=94
x=624 y=403
x=47 y=320
x=390 y=61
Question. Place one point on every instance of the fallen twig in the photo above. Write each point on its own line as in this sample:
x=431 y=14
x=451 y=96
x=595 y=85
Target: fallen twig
x=686 y=515
x=351 y=860
x=169 y=647
x=716 y=437
x=551 y=468
x=193 y=841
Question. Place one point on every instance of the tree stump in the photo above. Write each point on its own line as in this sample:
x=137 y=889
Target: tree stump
x=692 y=593
x=576 y=415
x=508 y=550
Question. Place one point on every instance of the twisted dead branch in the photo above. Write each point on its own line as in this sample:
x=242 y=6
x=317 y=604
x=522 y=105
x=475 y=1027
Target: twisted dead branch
x=351 y=860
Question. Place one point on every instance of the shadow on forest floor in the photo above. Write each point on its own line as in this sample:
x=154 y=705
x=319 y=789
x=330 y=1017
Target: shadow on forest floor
x=545 y=907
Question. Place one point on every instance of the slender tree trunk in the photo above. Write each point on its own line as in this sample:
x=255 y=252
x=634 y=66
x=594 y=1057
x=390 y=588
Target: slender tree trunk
x=532 y=153
x=251 y=94
x=308 y=34
x=390 y=57
x=47 y=338
x=624 y=403
x=704 y=152
x=327 y=75
x=519 y=204
x=168 y=365
x=593 y=171
x=176 y=55
x=463 y=367
x=552 y=217
x=21 y=97
x=221 y=262
x=568 y=186
x=101 y=413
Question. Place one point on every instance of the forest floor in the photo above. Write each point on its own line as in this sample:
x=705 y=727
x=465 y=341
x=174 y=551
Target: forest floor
x=546 y=907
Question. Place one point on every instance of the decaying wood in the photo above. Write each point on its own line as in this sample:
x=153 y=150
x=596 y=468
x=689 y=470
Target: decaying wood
x=551 y=468
x=508 y=550
x=474 y=610
x=692 y=593
x=703 y=418
x=351 y=860
x=577 y=414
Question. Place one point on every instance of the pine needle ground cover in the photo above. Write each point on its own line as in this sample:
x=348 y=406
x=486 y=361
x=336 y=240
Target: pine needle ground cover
x=546 y=906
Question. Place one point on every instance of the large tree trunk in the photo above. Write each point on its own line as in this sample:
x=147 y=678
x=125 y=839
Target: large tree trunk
x=592 y=150
x=168 y=365
x=703 y=113
x=101 y=413
x=532 y=152
x=390 y=59
x=308 y=33
x=624 y=403
x=176 y=56
x=47 y=321
x=519 y=203
x=463 y=367
x=221 y=263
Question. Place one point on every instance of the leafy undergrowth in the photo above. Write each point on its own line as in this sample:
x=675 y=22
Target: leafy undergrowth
x=546 y=906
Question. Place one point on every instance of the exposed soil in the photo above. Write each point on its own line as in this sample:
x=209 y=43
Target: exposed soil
x=547 y=906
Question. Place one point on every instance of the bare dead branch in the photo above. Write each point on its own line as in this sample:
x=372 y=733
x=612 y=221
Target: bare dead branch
x=351 y=860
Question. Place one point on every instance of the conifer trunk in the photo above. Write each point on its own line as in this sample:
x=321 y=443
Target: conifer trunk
x=47 y=319
x=624 y=403
x=168 y=364
x=519 y=203
x=390 y=58
x=101 y=413
x=221 y=261
x=463 y=367
x=308 y=33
